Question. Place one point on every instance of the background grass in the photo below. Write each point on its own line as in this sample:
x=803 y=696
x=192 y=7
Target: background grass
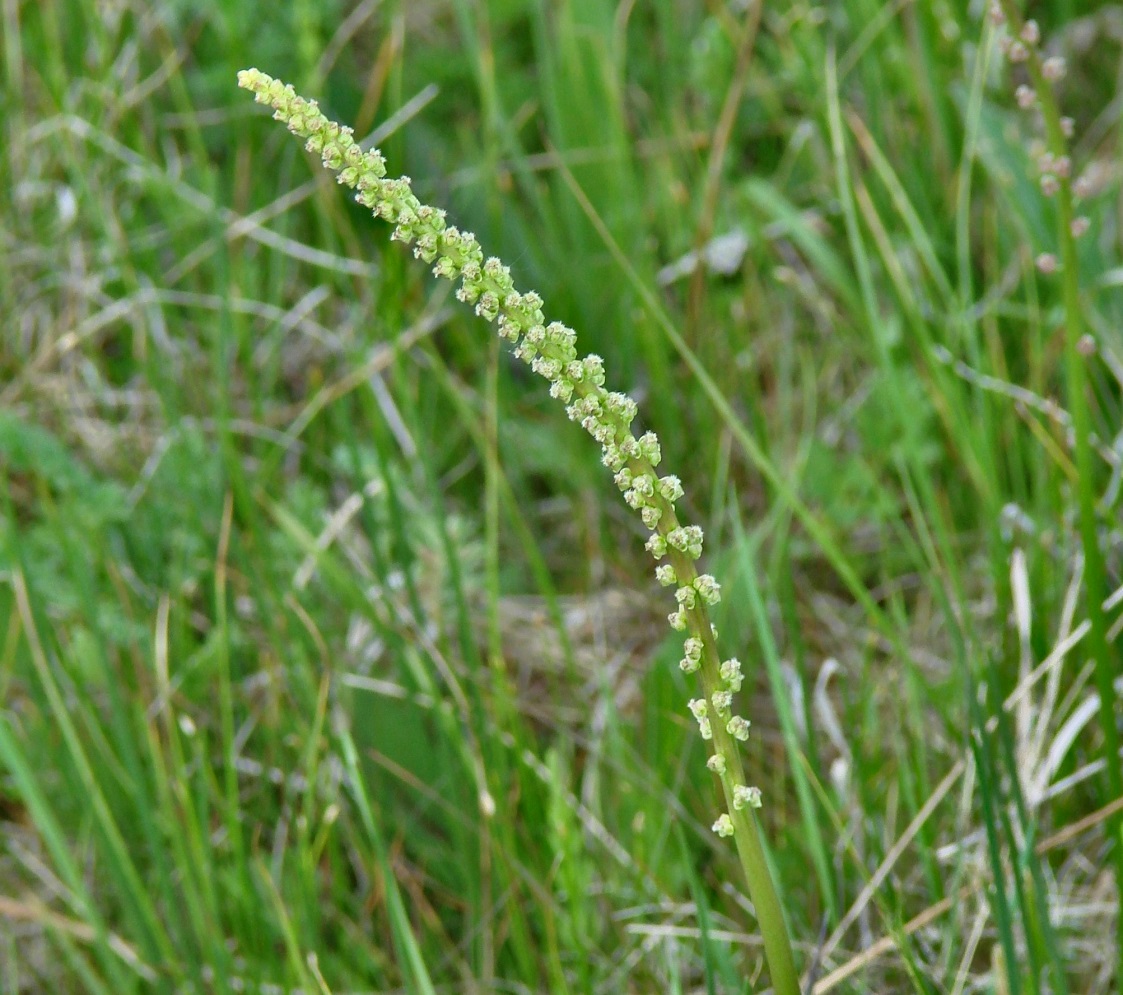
x=330 y=658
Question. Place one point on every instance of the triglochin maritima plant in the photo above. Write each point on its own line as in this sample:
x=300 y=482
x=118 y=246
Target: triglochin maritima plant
x=549 y=348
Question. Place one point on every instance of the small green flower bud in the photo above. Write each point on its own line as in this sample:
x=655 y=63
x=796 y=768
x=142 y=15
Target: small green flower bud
x=629 y=446
x=445 y=268
x=612 y=457
x=644 y=485
x=743 y=796
x=677 y=620
x=466 y=250
x=494 y=268
x=532 y=305
x=738 y=728
x=512 y=306
x=561 y=341
x=488 y=306
x=731 y=673
x=370 y=197
x=686 y=539
x=724 y=825
x=562 y=390
x=548 y=369
x=722 y=702
x=649 y=448
x=651 y=516
x=670 y=488
x=709 y=590
x=355 y=160
x=469 y=291
x=593 y=370
x=622 y=407
x=604 y=433
x=665 y=574
x=426 y=247
x=560 y=334
x=406 y=231
x=635 y=500
x=698 y=707
x=349 y=177
x=716 y=763
x=589 y=405
x=687 y=597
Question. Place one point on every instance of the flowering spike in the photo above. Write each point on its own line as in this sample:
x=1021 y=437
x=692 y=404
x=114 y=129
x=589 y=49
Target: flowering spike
x=550 y=349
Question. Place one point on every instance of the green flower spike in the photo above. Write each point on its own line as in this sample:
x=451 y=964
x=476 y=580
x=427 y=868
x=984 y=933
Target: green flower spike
x=550 y=350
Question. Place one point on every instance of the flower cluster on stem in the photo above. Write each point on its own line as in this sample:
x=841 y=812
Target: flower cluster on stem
x=578 y=381
x=1020 y=41
x=549 y=348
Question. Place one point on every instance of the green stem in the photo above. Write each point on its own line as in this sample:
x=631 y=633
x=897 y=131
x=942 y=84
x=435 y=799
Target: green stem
x=1105 y=656
x=746 y=831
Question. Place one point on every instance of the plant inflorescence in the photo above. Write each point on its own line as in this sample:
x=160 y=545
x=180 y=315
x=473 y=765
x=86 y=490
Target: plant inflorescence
x=550 y=350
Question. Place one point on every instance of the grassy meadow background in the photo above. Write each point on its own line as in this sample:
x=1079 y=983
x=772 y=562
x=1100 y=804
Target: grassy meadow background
x=330 y=659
